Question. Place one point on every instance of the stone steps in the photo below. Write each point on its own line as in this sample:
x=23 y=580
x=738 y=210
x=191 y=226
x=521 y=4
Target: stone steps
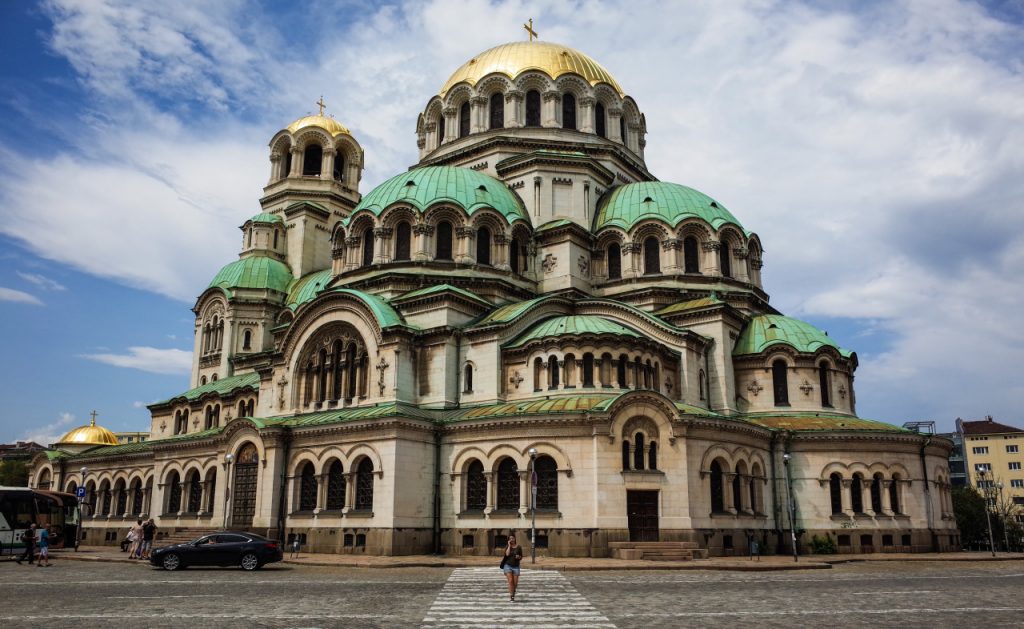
x=657 y=551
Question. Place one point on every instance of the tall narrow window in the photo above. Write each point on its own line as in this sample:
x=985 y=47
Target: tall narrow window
x=538 y=374
x=513 y=255
x=402 y=240
x=702 y=384
x=622 y=131
x=835 y=491
x=894 y=494
x=368 y=247
x=588 y=370
x=339 y=167
x=638 y=451
x=876 y=494
x=287 y=169
x=553 y=373
x=600 y=122
x=725 y=259
x=464 y=119
x=652 y=257
x=620 y=372
x=568 y=111
x=353 y=365
x=533 y=108
x=547 y=483
x=652 y=456
x=625 y=455
x=307 y=488
x=335 y=487
x=364 y=486
x=497 y=111
x=275 y=239
x=823 y=383
x=336 y=370
x=857 y=494
x=737 y=493
x=444 y=241
x=690 y=258
x=614 y=261
x=173 y=494
x=441 y=123
x=311 y=160
x=508 y=485
x=467 y=377
x=483 y=246
x=247 y=339
x=717 y=493
x=476 y=487
x=780 y=382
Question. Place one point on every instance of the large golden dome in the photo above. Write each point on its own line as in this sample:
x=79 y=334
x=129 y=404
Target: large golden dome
x=330 y=124
x=518 y=57
x=91 y=435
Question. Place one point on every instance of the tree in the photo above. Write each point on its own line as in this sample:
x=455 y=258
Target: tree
x=969 y=509
x=14 y=473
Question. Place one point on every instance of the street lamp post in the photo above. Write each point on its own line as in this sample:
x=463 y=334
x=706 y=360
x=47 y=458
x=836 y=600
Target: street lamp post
x=988 y=516
x=533 y=505
x=1002 y=518
x=790 y=508
x=84 y=471
x=228 y=458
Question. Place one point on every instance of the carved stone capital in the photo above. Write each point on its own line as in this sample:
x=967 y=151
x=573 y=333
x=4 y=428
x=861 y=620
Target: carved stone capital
x=514 y=95
x=423 y=229
x=478 y=100
x=352 y=241
x=382 y=232
x=587 y=101
x=463 y=232
x=740 y=252
x=671 y=243
x=449 y=111
x=552 y=95
x=711 y=245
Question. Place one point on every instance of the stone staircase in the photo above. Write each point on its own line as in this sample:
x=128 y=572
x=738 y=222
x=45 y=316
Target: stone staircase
x=180 y=536
x=658 y=551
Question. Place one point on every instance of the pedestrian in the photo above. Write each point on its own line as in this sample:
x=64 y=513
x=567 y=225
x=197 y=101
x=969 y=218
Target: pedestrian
x=510 y=566
x=29 y=537
x=148 y=531
x=44 y=546
x=136 y=534
x=755 y=549
x=296 y=545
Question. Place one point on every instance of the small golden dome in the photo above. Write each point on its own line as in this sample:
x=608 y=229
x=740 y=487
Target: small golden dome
x=91 y=435
x=515 y=58
x=331 y=125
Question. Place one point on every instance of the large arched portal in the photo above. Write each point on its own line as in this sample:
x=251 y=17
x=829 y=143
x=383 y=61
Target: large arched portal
x=243 y=504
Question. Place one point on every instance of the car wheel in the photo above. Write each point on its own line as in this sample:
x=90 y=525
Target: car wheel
x=250 y=561
x=171 y=562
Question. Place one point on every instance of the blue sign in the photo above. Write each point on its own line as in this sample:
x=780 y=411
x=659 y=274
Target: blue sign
x=81 y=492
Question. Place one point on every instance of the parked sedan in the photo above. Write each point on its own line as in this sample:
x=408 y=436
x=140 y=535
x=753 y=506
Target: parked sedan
x=248 y=550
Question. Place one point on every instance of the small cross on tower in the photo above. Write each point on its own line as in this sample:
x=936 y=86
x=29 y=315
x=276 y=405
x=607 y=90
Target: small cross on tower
x=93 y=416
x=321 y=104
x=529 y=29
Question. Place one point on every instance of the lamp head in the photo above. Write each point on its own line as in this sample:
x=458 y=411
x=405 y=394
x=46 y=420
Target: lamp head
x=229 y=457
x=785 y=458
x=84 y=470
x=533 y=453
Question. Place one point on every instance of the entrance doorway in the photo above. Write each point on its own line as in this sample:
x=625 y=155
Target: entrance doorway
x=642 y=509
x=243 y=503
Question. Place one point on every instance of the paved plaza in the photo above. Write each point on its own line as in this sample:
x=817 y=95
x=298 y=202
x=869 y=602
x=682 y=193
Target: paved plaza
x=877 y=594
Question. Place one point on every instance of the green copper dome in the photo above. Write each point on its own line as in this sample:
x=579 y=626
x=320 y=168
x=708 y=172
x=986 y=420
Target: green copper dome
x=572 y=325
x=766 y=330
x=263 y=217
x=257 y=272
x=465 y=188
x=672 y=203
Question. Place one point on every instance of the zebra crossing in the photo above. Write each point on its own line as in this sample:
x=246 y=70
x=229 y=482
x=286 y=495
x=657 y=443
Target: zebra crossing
x=478 y=598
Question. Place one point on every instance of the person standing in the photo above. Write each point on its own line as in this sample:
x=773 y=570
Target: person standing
x=148 y=531
x=136 y=534
x=44 y=546
x=510 y=566
x=29 y=537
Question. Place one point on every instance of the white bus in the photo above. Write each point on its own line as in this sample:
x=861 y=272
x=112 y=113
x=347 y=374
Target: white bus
x=21 y=506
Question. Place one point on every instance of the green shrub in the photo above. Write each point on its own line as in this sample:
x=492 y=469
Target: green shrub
x=823 y=545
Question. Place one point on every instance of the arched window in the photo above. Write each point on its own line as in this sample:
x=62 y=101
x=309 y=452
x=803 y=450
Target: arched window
x=620 y=372
x=464 y=119
x=211 y=486
x=467 y=378
x=876 y=493
x=173 y=493
x=247 y=339
x=780 y=382
x=195 y=493
x=857 y=493
x=287 y=169
x=737 y=493
x=513 y=255
x=335 y=486
x=614 y=261
x=894 y=494
x=702 y=384
x=547 y=483
x=137 y=497
x=622 y=130
x=476 y=487
x=122 y=498
x=368 y=246
x=307 y=488
x=823 y=382
x=321 y=378
x=353 y=365
x=241 y=408
x=275 y=239
x=441 y=124
x=339 y=167
x=402 y=240
x=533 y=108
x=311 y=160
x=717 y=493
x=364 y=485
x=483 y=246
x=508 y=485
x=553 y=372
x=588 y=370
x=652 y=257
x=725 y=259
x=307 y=390
x=638 y=451
x=600 y=122
x=568 y=111
x=691 y=261
x=497 y=111
x=336 y=370
x=444 y=241
x=538 y=374
x=249 y=408
x=652 y=456
x=835 y=492
x=625 y=455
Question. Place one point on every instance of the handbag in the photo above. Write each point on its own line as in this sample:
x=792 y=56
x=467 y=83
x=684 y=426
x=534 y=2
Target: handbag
x=504 y=559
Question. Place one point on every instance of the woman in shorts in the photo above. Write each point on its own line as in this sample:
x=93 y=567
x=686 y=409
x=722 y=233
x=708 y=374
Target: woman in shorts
x=513 y=555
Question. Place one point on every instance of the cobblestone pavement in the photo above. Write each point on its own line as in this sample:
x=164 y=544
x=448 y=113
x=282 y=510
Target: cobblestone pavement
x=875 y=594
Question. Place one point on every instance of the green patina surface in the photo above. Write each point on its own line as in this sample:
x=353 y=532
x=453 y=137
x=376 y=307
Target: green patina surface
x=553 y=224
x=257 y=272
x=764 y=331
x=307 y=287
x=465 y=188
x=509 y=312
x=263 y=217
x=220 y=387
x=691 y=304
x=143 y=446
x=382 y=310
x=672 y=203
x=555 y=405
x=801 y=422
x=572 y=325
x=441 y=288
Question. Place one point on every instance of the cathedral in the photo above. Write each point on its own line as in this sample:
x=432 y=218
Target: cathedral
x=527 y=328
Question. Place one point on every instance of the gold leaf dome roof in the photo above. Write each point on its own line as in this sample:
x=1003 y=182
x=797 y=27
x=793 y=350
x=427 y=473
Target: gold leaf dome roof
x=91 y=435
x=318 y=120
x=517 y=57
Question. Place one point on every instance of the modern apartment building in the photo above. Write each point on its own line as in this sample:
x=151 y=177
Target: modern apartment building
x=998 y=451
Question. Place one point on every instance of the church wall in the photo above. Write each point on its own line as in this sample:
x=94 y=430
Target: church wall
x=720 y=376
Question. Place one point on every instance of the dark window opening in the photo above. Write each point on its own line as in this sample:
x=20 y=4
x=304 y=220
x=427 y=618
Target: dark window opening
x=444 y=241
x=483 y=246
x=652 y=456
x=468 y=541
x=625 y=456
x=533 y=108
x=513 y=255
x=364 y=486
x=307 y=488
x=588 y=370
x=467 y=376
x=547 y=483
x=368 y=247
x=780 y=382
x=335 y=487
x=464 y=120
x=826 y=395
x=857 y=494
x=441 y=123
x=725 y=259
x=717 y=493
x=652 y=257
x=497 y=111
x=876 y=494
x=568 y=111
x=600 y=122
x=311 y=160
x=553 y=373
x=476 y=487
x=614 y=261
x=835 y=490
x=403 y=238
x=638 y=451
x=691 y=260
x=508 y=485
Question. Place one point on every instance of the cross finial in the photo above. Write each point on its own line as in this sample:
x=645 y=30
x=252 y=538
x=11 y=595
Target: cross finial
x=93 y=421
x=529 y=29
x=320 y=103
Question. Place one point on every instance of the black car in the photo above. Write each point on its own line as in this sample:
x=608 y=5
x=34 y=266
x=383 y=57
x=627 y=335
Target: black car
x=227 y=548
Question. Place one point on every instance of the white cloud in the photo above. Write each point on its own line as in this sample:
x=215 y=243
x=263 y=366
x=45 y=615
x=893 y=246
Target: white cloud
x=42 y=281
x=151 y=359
x=138 y=404
x=17 y=296
x=50 y=433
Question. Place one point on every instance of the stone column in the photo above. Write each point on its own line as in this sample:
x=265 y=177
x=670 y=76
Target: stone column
x=614 y=115
x=350 y=491
x=491 y=492
x=886 y=502
x=739 y=270
x=478 y=107
x=296 y=170
x=673 y=248
x=524 y=491
x=465 y=238
x=845 y=496
x=451 y=123
x=421 y=241
x=500 y=257
x=513 y=109
x=327 y=165
x=353 y=252
x=381 y=245
x=865 y=496
x=275 y=167
x=549 y=109
x=711 y=263
x=586 y=121
x=321 y=493
x=343 y=394
x=745 y=501
x=727 y=498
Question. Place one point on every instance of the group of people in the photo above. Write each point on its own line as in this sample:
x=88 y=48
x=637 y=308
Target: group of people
x=33 y=537
x=139 y=541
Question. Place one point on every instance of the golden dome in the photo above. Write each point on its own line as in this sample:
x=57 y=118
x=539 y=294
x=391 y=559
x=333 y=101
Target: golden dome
x=91 y=435
x=518 y=57
x=330 y=124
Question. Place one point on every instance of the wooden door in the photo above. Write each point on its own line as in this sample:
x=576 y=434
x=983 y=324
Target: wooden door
x=642 y=509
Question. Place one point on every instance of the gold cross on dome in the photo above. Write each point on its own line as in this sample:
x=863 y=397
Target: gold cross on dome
x=529 y=29
x=321 y=104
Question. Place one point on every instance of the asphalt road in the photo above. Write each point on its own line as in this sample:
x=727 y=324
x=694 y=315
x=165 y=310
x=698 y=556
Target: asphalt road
x=115 y=595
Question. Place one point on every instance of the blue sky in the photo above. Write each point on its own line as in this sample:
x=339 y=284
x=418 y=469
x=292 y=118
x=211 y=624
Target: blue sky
x=876 y=148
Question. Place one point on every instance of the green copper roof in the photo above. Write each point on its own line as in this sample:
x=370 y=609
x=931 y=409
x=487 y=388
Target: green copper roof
x=690 y=304
x=263 y=217
x=465 y=188
x=441 y=288
x=509 y=312
x=221 y=387
x=572 y=325
x=382 y=310
x=672 y=203
x=820 y=422
x=766 y=330
x=554 y=405
x=259 y=272
x=307 y=287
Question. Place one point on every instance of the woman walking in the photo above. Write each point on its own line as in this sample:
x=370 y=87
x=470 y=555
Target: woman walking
x=510 y=566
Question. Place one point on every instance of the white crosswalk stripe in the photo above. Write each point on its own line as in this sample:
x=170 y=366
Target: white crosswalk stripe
x=478 y=598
